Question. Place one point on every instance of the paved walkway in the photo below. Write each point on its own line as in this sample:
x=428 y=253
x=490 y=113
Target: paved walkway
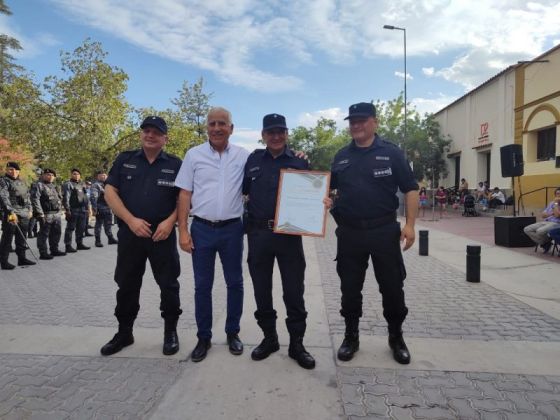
x=484 y=350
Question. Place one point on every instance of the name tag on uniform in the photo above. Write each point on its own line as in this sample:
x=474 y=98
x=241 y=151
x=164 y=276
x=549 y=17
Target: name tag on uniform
x=381 y=157
x=165 y=183
x=381 y=172
x=129 y=165
x=256 y=168
x=342 y=162
x=168 y=171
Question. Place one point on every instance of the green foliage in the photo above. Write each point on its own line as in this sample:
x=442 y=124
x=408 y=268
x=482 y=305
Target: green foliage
x=193 y=106
x=319 y=143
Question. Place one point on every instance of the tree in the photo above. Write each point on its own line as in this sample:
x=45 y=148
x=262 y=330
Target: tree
x=88 y=110
x=424 y=145
x=193 y=106
x=319 y=143
x=7 y=66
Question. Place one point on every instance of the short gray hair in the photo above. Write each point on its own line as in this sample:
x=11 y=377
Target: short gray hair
x=219 y=109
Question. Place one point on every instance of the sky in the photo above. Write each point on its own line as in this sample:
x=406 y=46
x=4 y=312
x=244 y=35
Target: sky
x=304 y=59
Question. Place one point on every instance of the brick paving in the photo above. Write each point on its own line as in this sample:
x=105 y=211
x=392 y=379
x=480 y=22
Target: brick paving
x=78 y=291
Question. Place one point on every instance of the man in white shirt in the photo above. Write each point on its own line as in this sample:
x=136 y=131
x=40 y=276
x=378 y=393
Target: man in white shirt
x=496 y=198
x=210 y=179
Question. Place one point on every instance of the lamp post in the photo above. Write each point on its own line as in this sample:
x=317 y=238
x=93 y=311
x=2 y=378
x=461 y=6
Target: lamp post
x=392 y=28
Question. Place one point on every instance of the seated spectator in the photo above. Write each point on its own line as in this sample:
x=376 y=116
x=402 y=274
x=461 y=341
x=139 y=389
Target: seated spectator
x=422 y=200
x=538 y=232
x=441 y=199
x=481 y=191
x=554 y=235
x=496 y=198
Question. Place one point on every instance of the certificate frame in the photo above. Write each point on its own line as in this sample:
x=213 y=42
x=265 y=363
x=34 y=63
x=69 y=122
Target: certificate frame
x=303 y=190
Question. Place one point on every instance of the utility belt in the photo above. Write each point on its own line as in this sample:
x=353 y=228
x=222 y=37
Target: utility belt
x=364 y=223
x=253 y=224
x=216 y=223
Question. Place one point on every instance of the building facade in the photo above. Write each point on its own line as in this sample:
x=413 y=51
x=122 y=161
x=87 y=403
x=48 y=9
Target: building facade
x=520 y=105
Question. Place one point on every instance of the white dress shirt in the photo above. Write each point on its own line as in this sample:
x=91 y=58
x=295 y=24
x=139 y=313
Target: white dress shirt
x=215 y=181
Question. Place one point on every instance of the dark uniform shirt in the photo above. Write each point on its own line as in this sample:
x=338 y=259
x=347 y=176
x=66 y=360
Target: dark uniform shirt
x=45 y=198
x=14 y=196
x=367 y=178
x=262 y=176
x=74 y=195
x=97 y=196
x=147 y=190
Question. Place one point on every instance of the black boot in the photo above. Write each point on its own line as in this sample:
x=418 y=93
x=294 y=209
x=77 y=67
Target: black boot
x=351 y=342
x=112 y=241
x=82 y=247
x=297 y=352
x=121 y=339
x=70 y=249
x=398 y=346
x=170 y=337
x=5 y=265
x=57 y=253
x=22 y=260
x=98 y=243
x=268 y=346
x=45 y=256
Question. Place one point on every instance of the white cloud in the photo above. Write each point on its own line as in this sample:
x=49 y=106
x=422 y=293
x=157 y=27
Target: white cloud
x=400 y=74
x=309 y=119
x=229 y=38
x=428 y=71
x=32 y=46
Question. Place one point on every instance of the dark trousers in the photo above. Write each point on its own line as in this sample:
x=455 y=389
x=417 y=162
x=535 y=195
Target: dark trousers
x=354 y=249
x=9 y=231
x=51 y=230
x=77 y=222
x=132 y=254
x=104 y=217
x=227 y=242
x=264 y=247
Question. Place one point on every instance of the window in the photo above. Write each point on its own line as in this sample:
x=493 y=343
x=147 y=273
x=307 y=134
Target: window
x=546 y=144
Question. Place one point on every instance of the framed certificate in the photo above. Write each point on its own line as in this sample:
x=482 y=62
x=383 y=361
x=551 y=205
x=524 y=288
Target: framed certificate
x=299 y=205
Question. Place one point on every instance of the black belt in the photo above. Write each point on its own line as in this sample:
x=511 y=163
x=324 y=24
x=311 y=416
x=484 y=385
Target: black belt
x=216 y=223
x=364 y=223
x=261 y=224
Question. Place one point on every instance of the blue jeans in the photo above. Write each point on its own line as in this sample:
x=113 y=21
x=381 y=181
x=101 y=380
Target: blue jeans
x=227 y=241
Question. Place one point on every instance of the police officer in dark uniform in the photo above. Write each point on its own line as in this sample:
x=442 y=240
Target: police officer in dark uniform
x=76 y=206
x=366 y=174
x=260 y=184
x=101 y=210
x=16 y=206
x=46 y=209
x=141 y=192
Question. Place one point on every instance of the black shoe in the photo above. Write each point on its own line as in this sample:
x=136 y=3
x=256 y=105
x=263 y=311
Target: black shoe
x=546 y=247
x=25 y=261
x=58 y=253
x=7 y=266
x=88 y=234
x=235 y=344
x=70 y=250
x=297 y=352
x=268 y=346
x=117 y=343
x=400 y=351
x=201 y=349
x=98 y=244
x=82 y=247
x=170 y=342
x=349 y=346
x=45 y=256
x=113 y=241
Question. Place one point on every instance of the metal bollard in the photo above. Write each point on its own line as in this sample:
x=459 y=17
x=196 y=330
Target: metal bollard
x=473 y=263
x=423 y=243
